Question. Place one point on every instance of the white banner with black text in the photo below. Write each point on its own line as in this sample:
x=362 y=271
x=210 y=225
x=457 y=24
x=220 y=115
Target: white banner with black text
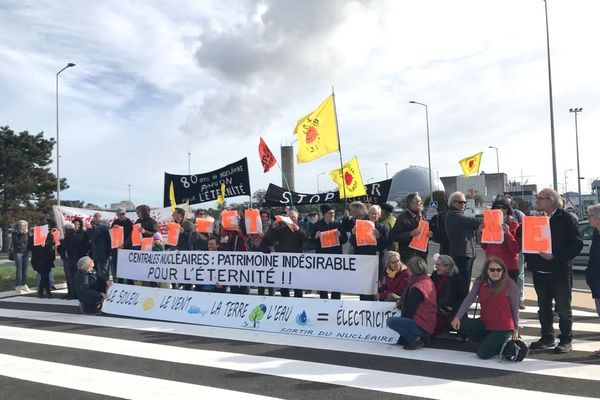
x=339 y=319
x=348 y=273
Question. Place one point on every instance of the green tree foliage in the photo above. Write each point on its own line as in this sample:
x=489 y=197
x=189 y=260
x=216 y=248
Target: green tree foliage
x=257 y=314
x=26 y=184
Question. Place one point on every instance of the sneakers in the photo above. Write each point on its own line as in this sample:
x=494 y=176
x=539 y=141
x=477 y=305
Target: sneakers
x=563 y=347
x=416 y=344
x=542 y=343
x=521 y=305
x=26 y=288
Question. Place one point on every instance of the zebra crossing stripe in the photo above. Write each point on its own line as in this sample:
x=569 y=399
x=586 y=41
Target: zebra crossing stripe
x=108 y=383
x=397 y=383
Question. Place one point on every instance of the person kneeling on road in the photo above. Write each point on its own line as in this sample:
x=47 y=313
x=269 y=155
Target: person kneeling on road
x=91 y=288
x=419 y=308
x=499 y=299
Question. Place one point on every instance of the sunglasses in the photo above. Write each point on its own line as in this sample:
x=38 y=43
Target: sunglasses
x=460 y=201
x=494 y=269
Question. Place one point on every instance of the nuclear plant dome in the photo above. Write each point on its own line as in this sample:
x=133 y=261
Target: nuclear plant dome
x=413 y=179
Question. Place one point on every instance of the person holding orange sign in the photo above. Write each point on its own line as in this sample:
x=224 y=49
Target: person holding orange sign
x=507 y=251
x=328 y=235
x=127 y=226
x=553 y=272
x=42 y=261
x=407 y=226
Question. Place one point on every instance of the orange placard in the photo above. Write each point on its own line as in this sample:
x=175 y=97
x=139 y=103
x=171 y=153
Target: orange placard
x=204 y=225
x=147 y=244
x=117 y=236
x=329 y=238
x=286 y=220
x=253 y=221
x=173 y=233
x=420 y=241
x=136 y=235
x=492 y=227
x=56 y=236
x=364 y=233
x=40 y=233
x=536 y=235
x=230 y=220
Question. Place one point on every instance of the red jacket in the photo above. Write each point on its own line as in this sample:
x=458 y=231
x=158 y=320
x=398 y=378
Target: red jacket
x=396 y=285
x=426 y=315
x=496 y=311
x=507 y=251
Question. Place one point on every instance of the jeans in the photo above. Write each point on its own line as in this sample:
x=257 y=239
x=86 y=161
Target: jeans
x=490 y=342
x=406 y=327
x=22 y=263
x=521 y=277
x=334 y=295
x=70 y=266
x=102 y=267
x=50 y=279
x=597 y=306
x=555 y=286
x=286 y=292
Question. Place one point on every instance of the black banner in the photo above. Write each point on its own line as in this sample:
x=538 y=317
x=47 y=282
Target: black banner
x=201 y=188
x=377 y=193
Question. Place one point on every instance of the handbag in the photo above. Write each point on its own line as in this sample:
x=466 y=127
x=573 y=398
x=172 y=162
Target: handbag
x=11 y=254
x=513 y=351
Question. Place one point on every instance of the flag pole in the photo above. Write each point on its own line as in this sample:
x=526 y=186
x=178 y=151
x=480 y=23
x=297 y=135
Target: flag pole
x=285 y=181
x=337 y=130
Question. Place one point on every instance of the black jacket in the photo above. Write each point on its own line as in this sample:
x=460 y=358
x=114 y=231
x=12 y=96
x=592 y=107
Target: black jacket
x=127 y=225
x=454 y=293
x=592 y=273
x=19 y=242
x=437 y=225
x=322 y=226
x=89 y=286
x=566 y=244
x=460 y=230
x=400 y=233
x=42 y=257
x=73 y=246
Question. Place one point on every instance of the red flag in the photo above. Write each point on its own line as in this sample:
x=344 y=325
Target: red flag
x=266 y=157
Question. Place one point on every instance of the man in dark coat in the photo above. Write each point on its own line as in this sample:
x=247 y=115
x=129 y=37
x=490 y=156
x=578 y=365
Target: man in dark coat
x=100 y=245
x=553 y=273
x=406 y=227
x=127 y=225
x=91 y=288
x=460 y=230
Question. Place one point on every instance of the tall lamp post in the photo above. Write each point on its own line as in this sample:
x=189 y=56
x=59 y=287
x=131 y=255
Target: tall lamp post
x=554 y=177
x=428 y=149
x=318 y=175
x=386 y=171
x=69 y=65
x=580 y=205
x=497 y=159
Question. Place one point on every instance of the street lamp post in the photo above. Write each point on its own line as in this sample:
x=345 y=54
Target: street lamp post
x=554 y=177
x=428 y=148
x=497 y=159
x=69 y=65
x=386 y=171
x=567 y=170
x=580 y=205
x=318 y=175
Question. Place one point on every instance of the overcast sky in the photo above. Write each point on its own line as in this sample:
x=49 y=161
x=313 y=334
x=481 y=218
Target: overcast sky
x=154 y=79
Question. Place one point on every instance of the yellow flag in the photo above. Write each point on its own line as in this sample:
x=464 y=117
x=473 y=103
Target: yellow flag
x=470 y=165
x=172 y=197
x=221 y=196
x=317 y=132
x=350 y=183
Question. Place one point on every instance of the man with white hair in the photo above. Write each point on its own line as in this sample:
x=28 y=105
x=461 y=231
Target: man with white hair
x=553 y=272
x=91 y=287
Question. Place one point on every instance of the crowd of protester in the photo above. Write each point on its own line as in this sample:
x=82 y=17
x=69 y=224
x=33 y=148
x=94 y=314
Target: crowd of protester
x=431 y=305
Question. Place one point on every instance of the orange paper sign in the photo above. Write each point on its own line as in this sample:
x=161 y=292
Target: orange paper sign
x=329 y=239
x=492 y=227
x=117 y=236
x=147 y=244
x=136 y=235
x=230 y=220
x=253 y=221
x=420 y=241
x=286 y=220
x=56 y=236
x=173 y=234
x=364 y=233
x=204 y=225
x=39 y=235
x=536 y=235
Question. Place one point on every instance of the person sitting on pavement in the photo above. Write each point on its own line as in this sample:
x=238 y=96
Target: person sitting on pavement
x=499 y=299
x=91 y=287
x=592 y=272
x=395 y=280
x=450 y=289
x=419 y=307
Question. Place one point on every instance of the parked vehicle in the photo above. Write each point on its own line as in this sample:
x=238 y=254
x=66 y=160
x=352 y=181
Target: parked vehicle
x=580 y=262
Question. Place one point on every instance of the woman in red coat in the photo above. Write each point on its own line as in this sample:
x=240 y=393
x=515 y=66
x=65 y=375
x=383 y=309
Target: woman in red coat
x=499 y=299
x=395 y=280
x=507 y=251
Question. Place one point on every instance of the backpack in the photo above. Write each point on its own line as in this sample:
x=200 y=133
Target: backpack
x=513 y=351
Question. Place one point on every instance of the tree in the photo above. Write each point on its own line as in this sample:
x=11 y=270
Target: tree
x=258 y=198
x=26 y=184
